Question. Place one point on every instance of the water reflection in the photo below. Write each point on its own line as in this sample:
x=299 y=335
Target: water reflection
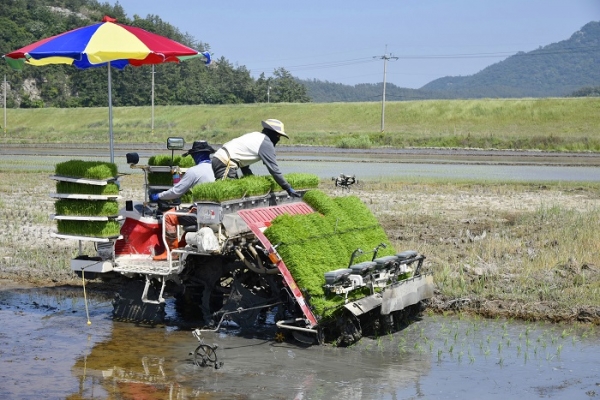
x=47 y=350
x=159 y=364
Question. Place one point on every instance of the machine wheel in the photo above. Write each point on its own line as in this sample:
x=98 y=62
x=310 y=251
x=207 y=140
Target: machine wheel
x=204 y=354
x=350 y=330
x=206 y=287
x=128 y=305
x=320 y=335
x=386 y=324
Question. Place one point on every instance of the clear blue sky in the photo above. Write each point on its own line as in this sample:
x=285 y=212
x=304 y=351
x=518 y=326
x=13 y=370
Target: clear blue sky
x=342 y=41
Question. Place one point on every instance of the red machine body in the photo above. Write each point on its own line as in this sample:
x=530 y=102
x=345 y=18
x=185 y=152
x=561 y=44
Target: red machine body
x=141 y=234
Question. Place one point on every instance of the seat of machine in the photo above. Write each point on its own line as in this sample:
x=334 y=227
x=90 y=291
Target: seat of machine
x=363 y=268
x=336 y=276
x=190 y=228
x=405 y=255
x=385 y=262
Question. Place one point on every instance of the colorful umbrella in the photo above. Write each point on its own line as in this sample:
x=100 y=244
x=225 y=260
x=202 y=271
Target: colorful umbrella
x=106 y=43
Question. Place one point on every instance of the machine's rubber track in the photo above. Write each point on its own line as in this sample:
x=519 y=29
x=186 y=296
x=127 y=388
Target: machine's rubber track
x=129 y=307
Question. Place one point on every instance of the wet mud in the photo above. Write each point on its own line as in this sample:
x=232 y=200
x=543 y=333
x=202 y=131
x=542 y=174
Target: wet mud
x=48 y=350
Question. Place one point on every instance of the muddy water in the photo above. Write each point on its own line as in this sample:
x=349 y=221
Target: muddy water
x=47 y=350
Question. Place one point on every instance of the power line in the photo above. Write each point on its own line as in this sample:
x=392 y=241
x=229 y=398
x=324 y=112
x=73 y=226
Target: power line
x=356 y=61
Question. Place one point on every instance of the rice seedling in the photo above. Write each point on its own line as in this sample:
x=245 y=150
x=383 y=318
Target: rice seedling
x=223 y=190
x=86 y=208
x=79 y=188
x=166 y=178
x=402 y=345
x=74 y=207
x=314 y=244
x=89 y=228
x=87 y=169
x=166 y=160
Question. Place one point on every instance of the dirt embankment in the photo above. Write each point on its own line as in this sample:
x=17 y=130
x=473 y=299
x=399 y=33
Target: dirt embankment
x=461 y=229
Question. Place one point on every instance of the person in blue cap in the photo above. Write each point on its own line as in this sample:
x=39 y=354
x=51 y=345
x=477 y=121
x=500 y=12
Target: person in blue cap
x=200 y=173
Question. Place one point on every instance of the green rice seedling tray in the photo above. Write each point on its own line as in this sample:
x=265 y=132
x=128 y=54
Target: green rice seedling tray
x=86 y=238
x=87 y=169
x=97 y=208
x=159 y=167
x=314 y=244
x=255 y=185
x=103 y=229
x=87 y=218
x=111 y=188
x=84 y=196
x=84 y=181
x=166 y=161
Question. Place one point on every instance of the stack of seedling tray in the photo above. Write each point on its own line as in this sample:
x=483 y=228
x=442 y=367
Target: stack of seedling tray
x=160 y=176
x=86 y=206
x=316 y=243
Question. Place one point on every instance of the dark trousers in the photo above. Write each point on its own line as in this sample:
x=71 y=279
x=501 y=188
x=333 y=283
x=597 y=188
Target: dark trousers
x=219 y=168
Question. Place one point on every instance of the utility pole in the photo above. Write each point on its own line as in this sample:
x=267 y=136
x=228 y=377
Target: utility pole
x=268 y=94
x=385 y=57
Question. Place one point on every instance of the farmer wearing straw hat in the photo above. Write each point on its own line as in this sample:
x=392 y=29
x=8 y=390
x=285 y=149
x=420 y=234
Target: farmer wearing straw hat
x=200 y=173
x=247 y=149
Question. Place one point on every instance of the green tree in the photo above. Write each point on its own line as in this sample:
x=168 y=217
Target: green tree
x=286 y=89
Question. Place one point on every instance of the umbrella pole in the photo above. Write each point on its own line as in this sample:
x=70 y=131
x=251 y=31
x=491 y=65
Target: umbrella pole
x=152 y=128
x=110 y=116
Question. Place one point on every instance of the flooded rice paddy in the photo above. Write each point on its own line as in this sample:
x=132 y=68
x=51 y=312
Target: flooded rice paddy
x=47 y=350
x=365 y=164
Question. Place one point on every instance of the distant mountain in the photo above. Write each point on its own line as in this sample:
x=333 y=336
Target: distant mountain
x=555 y=70
x=327 y=92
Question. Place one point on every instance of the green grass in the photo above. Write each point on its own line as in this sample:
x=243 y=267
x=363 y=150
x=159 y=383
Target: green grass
x=547 y=124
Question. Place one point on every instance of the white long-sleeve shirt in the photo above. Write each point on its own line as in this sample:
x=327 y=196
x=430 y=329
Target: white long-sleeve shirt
x=250 y=148
x=200 y=173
